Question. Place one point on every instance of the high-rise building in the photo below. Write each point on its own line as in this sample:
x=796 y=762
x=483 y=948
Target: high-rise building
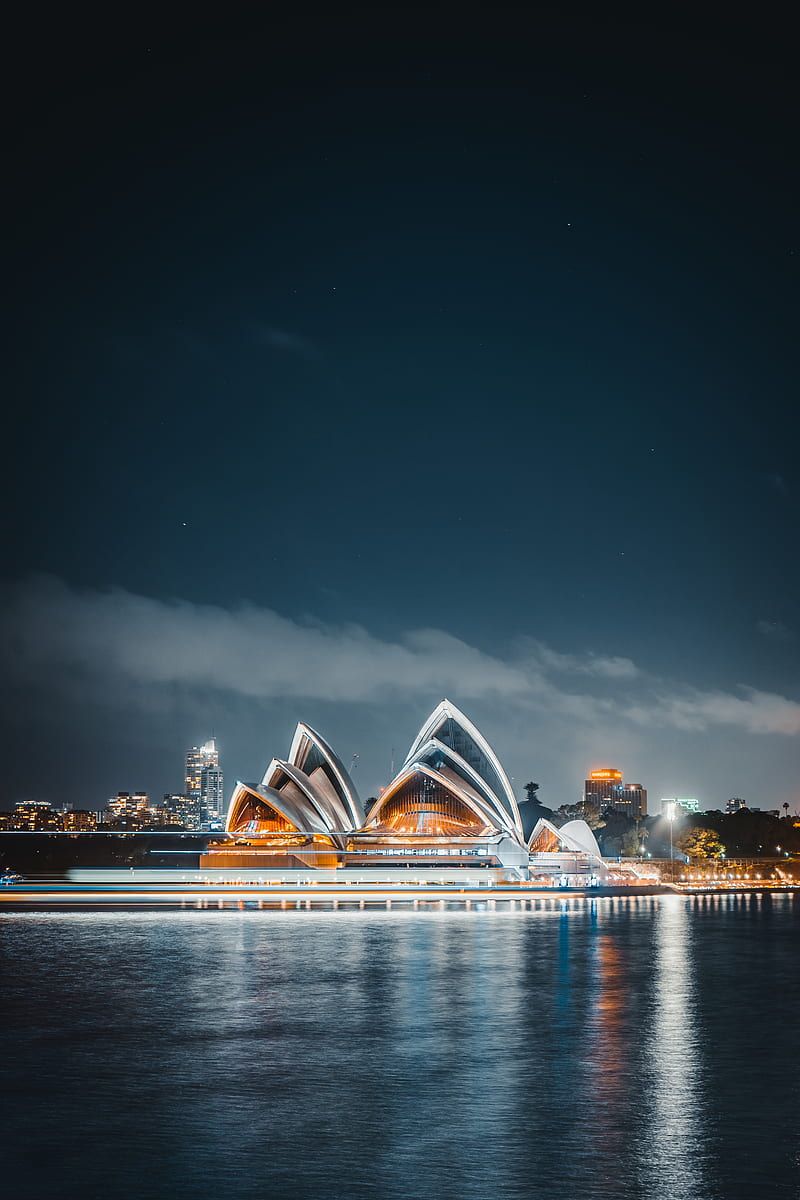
x=204 y=783
x=212 y=798
x=631 y=799
x=736 y=804
x=184 y=809
x=599 y=787
x=605 y=788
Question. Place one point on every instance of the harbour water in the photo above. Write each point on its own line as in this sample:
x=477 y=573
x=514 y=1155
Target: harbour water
x=638 y=1047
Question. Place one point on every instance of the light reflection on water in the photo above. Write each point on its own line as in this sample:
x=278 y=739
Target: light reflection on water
x=675 y=1059
x=598 y=1048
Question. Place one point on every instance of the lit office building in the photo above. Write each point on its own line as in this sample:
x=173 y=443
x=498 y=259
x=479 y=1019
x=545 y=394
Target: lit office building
x=162 y=818
x=631 y=799
x=184 y=809
x=212 y=799
x=677 y=805
x=204 y=785
x=35 y=816
x=599 y=787
x=606 y=788
x=78 y=820
x=126 y=805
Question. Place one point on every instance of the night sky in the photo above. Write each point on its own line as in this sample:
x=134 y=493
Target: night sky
x=360 y=359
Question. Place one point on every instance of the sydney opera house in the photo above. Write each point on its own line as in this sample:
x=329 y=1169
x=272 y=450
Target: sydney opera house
x=450 y=809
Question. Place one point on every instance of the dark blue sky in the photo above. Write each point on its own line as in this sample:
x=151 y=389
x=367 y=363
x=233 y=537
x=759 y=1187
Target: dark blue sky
x=473 y=323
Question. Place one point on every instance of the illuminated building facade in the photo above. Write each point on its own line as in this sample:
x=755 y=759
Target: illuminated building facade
x=675 y=804
x=35 y=816
x=184 y=809
x=77 y=820
x=448 y=816
x=39 y=816
x=631 y=799
x=606 y=788
x=451 y=804
x=204 y=786
x=133 y=811
x=299 y=815
x=125 y=805
x=568 y=856
x=598 y=789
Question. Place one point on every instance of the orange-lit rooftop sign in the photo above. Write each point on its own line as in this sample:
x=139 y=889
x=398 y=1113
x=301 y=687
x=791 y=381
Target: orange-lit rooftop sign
x=606 y=773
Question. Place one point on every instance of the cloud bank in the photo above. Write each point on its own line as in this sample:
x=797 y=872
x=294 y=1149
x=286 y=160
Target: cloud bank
x=131 y=648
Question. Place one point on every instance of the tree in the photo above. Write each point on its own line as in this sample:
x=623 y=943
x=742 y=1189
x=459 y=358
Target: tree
x=785 y=809
x=700 y=843
x=590 y=813
x=611 y=831
x=631 y=844
x=532 y=809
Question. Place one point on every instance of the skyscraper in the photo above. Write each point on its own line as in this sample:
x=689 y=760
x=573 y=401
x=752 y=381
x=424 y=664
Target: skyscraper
x=598 y=789
x=212 y=800
x=185 y=810
x=605 y=789
x=204 y=783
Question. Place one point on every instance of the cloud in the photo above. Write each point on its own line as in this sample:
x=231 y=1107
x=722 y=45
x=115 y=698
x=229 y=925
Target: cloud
x=124 y=648
x=749 y=710
x=604 y=667
x=55 y=632
x=282 y=339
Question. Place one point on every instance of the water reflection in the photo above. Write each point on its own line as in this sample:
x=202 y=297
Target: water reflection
x=608 y=1082
x=673 y=1153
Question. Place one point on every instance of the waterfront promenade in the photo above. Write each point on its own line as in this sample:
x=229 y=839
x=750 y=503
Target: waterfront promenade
x=210 y=895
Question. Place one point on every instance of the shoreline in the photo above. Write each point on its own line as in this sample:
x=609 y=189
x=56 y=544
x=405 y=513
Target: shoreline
x=58 y=896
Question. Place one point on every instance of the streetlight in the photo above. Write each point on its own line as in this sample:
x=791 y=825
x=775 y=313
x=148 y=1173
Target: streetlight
x=669 y=813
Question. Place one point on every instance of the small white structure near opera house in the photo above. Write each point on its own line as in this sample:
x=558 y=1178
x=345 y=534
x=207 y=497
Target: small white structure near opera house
x=568 y=856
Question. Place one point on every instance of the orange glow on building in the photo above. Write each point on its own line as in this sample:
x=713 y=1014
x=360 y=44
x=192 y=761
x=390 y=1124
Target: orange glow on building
x=604 y=788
